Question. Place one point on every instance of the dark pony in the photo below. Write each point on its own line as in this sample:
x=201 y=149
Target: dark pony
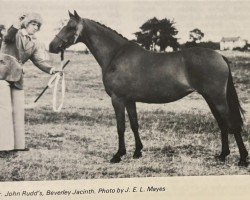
x=132 y=74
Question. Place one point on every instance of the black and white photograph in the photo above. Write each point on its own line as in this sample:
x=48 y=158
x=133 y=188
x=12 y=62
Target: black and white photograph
x=134 y=99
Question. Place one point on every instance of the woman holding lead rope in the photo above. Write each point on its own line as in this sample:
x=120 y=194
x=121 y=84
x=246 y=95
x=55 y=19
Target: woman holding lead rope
x=19 y=45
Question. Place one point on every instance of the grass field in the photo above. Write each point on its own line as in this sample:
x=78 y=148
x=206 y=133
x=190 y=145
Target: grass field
x=180 y=138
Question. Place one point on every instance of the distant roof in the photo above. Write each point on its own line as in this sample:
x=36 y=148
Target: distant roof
x=230 y=39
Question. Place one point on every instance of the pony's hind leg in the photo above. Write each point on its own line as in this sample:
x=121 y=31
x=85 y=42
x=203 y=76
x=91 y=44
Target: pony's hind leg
x=224 y=116
x=236 y=120
x=131 y=109
x=223 y=128
x=242 y=150
x=119 y=108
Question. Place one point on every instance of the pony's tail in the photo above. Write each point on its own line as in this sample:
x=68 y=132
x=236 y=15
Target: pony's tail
x=236 y=111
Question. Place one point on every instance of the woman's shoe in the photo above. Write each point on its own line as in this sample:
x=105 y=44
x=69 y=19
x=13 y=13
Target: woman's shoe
x=25 y=149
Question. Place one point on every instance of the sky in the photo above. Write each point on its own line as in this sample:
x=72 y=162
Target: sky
x=216 y=19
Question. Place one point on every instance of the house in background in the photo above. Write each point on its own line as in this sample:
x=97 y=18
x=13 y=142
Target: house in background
x=229 y=43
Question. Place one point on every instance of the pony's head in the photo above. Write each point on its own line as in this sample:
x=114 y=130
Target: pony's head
x=68 y=35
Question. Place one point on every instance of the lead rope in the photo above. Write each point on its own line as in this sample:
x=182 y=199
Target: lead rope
x=57 y=78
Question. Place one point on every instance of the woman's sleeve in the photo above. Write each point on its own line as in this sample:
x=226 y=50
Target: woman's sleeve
x=40 y=59
x=10 y=35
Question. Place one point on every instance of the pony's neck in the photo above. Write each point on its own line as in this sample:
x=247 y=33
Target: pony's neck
x=102 y=42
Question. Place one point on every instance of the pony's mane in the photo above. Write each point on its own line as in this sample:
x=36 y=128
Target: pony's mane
x=104 y=26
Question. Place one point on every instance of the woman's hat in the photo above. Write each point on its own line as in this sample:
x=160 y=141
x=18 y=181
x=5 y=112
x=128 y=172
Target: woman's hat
x=32 y=17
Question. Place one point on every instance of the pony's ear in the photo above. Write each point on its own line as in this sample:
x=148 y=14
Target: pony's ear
x=76 y=15
x=70 y=14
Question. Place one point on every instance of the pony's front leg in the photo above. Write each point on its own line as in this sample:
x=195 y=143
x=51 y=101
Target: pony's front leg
x=119 y=108
x=131 y=109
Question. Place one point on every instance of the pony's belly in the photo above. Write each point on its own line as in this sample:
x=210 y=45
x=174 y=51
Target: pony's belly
x=152 y=94
x=164 y=97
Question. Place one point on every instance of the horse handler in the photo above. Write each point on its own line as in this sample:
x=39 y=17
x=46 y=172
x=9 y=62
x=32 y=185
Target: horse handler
x=19 y=45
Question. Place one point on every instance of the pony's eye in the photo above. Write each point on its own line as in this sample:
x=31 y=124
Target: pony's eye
x=71 y=28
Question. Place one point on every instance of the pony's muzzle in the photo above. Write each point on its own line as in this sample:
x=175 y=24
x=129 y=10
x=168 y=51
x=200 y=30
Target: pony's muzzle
x=53 y=48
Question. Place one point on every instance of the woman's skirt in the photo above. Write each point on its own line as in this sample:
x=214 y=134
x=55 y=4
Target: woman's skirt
x=12 y=133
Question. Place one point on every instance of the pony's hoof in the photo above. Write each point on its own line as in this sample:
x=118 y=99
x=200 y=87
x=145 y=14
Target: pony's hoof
x=220 y=158
x=115 y=159
x=137 y=154
x=243 y=163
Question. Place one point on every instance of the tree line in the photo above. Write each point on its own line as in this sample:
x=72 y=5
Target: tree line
x=2 y=32
x=160 y=35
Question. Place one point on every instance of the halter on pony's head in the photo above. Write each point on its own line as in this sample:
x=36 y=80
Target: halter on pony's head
x=79 y=27
x=69 y=34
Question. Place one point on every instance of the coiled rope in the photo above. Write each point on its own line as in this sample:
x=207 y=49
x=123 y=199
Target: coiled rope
x=56 y=78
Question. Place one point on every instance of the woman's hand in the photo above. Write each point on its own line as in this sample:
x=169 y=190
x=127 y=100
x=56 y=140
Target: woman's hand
x=58 y=71
x=54 y=71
